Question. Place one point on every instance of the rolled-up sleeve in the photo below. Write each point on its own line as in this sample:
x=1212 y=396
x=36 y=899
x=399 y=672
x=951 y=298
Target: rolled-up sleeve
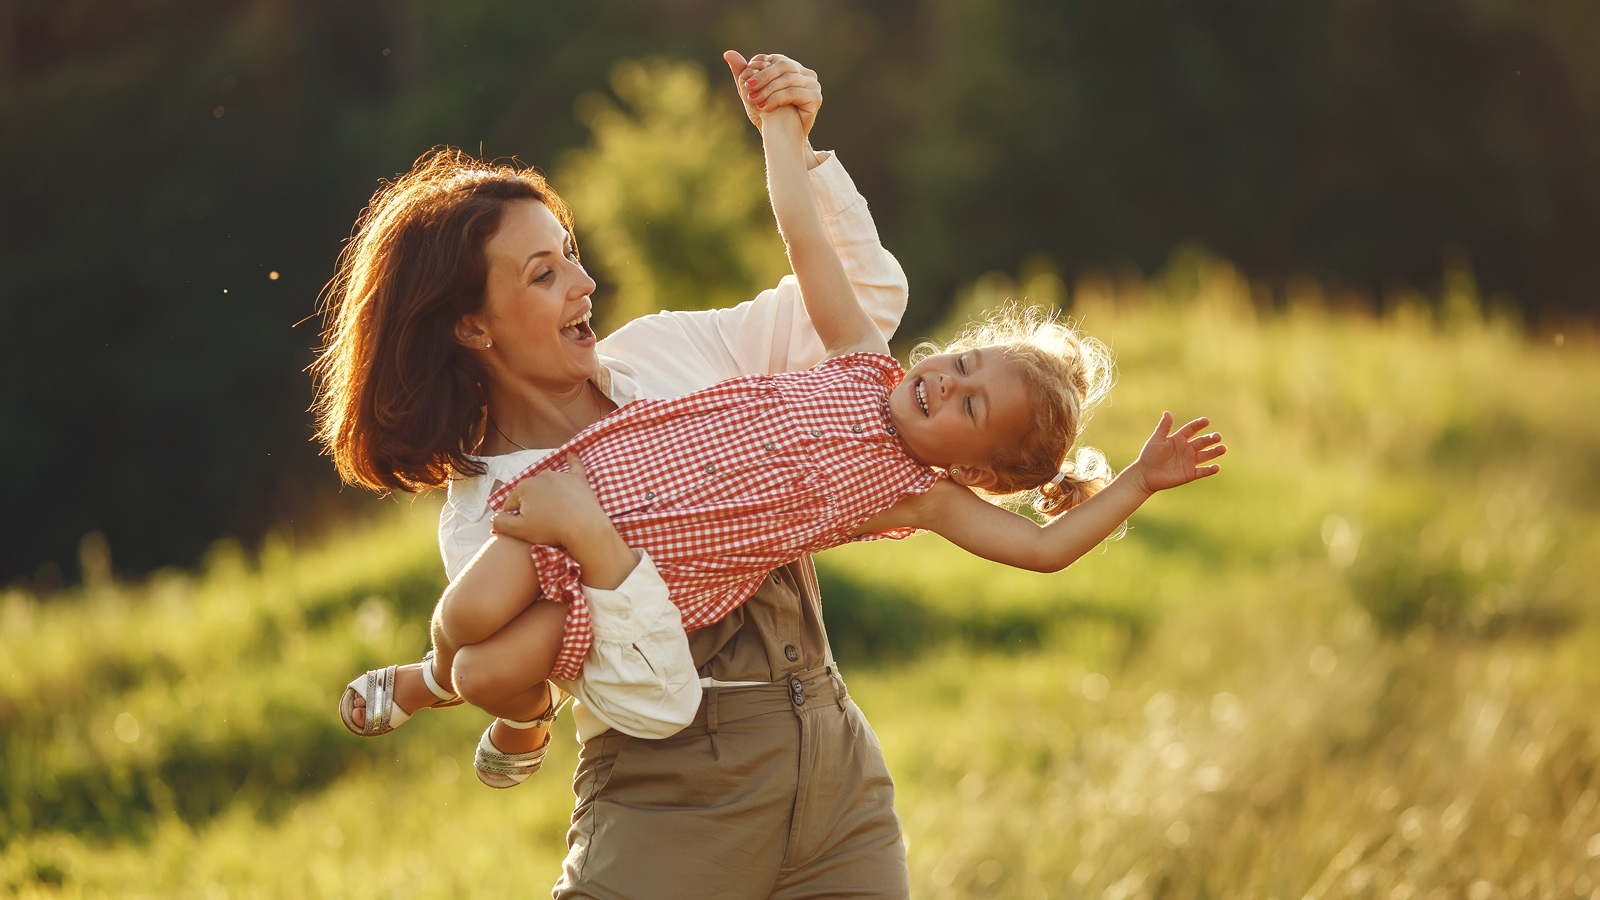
x=638 y=676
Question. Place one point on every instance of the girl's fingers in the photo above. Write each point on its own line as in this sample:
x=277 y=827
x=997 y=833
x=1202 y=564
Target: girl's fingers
x=575 y=465
x=762 y=74
x=1193 y=428
x=1206 y=440
x=1163 y=427
x=786 y=97
x=1211 y=453
x=791 y=81
x=1207 y=471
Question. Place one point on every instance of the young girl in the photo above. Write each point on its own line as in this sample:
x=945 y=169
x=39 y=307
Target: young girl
x=718 y=487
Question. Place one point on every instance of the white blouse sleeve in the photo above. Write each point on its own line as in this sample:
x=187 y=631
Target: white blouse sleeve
x=677 y=352
x=639 y=676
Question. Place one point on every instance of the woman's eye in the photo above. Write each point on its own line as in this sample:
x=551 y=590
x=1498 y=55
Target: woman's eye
x=969 y=409
x=545 y=276
x=961 y=364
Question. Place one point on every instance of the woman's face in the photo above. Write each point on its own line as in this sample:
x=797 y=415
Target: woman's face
x=536 y=307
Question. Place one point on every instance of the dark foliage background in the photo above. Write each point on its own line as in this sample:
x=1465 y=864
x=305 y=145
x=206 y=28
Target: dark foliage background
x=164 y=156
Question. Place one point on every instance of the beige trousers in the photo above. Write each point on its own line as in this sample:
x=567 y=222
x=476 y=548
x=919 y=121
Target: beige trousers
x=778 y=791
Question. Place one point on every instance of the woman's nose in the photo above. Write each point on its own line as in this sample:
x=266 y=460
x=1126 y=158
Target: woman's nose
x=584 y=284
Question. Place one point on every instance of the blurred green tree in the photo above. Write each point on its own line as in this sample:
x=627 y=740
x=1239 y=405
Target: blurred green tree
x=670 y=195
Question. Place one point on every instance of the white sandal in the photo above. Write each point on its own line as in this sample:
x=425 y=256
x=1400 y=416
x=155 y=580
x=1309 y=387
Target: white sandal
x=377 y=689
x=503 y=770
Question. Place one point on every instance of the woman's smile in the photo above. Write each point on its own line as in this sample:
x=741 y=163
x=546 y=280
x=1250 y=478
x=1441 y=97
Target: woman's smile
x=578 y=330
x=538 y=299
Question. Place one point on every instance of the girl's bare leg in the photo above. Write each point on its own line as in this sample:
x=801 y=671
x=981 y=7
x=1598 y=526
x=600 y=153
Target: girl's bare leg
x=505 y=675
x=496 y=588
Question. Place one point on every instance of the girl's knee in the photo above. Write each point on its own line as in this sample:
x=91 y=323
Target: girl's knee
x=487 y=678
x=460 y=623
x=477 y=679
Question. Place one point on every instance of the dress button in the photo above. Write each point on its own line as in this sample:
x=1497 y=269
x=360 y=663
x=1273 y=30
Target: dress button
x=891 y=430
x=649 y=495
x=791 y=652
x=711 y=467
x=622 y=615
x=816 y=432
x=768 y=446
x=856 y=428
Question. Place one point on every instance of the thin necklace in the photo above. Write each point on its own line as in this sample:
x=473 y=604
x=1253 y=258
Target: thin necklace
x=504 y=435
x=592 y=390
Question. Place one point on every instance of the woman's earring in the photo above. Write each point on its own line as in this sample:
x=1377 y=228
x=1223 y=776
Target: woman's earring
x=954 y=471
x=488 y=344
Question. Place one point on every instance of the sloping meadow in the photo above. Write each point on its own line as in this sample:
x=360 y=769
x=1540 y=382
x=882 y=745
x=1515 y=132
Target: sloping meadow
x=1357 y=663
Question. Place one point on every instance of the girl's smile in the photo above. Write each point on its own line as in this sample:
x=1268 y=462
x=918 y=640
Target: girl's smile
x=956 y=409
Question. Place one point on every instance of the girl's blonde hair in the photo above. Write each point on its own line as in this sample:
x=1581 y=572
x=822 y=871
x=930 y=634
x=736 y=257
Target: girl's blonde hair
x=1070 y=373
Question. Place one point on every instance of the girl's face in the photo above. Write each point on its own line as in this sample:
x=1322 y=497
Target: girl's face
x=956 y=409
x=537 y=304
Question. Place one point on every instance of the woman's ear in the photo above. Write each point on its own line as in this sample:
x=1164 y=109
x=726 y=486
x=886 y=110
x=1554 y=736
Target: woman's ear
x=471 y=334
x=973 y=476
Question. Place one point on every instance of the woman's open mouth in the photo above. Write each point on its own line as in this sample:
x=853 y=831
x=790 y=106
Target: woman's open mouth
x=922 y=398
x=578 y=329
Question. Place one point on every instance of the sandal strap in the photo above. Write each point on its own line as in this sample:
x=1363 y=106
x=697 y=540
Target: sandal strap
x=490 y=758
x=383 y=715
x=433 y=684
x=558 y=699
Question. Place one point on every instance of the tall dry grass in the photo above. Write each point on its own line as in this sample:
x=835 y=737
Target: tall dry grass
x=1358 y=664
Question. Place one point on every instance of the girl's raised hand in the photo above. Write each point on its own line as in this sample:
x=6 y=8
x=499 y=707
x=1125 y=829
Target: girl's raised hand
x=768 y=81
x=550 y=507
x=1171 y=458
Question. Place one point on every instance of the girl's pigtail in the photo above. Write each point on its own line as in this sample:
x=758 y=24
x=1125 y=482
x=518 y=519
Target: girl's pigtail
x=1079 y=479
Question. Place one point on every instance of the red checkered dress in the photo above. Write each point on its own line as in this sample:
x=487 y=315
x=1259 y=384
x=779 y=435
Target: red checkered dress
x=723 y=485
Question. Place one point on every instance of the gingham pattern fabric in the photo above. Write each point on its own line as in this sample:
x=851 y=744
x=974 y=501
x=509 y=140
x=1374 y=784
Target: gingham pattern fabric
x=725 y=484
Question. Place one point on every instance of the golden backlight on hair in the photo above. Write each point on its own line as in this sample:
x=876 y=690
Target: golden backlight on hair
x=1068 y=374
x=399 y=404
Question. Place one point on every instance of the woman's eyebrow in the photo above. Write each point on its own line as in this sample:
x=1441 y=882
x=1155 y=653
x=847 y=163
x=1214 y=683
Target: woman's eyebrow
x=533 y=256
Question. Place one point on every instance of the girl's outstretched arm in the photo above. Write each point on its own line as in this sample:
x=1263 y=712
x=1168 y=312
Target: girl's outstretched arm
x=830 y=300
x=1169 y=459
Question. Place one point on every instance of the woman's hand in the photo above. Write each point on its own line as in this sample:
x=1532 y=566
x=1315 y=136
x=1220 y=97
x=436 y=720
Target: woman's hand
x=769 y=81
x=1172 y=459
x=555 y=508
x=559 y=509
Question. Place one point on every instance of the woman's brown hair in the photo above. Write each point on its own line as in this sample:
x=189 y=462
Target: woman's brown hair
x=399 y=403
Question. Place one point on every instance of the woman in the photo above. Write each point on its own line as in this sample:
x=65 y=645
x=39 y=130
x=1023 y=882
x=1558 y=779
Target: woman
x=778 y=788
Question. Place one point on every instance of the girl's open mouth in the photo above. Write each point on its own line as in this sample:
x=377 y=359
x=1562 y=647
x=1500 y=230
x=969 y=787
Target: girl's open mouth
x=922 y=398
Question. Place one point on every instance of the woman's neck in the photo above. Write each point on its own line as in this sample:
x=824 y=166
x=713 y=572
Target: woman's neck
x=531 y=418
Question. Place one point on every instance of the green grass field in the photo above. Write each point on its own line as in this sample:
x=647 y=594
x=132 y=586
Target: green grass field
x=1360 y=663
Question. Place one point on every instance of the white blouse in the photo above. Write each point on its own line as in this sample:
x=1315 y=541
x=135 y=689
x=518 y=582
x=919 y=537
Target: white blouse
x=639 y=676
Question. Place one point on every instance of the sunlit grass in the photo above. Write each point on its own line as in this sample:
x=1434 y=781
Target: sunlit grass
x=1358 y=664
